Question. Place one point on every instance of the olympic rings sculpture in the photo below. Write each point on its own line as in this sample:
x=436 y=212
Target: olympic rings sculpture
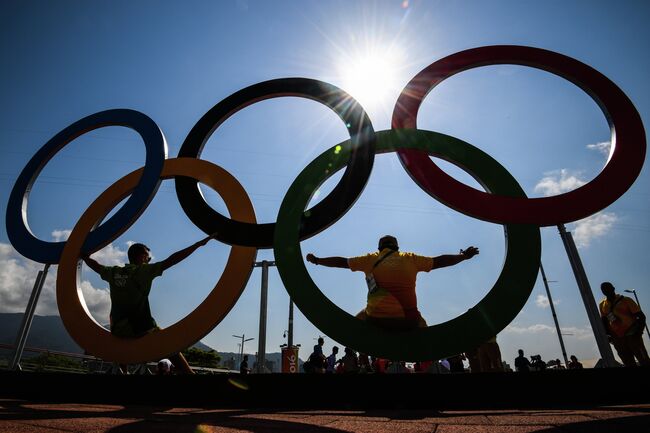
x=504 y=202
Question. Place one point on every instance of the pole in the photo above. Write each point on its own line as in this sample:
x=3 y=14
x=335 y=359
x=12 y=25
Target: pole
x=557 y=324
x=28 y=317
x=241 y=345
x=639 y=304
x=290 y=331
x=261 y=350
x=587 y=298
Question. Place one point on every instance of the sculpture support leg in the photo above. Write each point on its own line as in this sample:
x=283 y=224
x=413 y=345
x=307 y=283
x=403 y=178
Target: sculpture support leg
x=23 y=332
x=605 y=349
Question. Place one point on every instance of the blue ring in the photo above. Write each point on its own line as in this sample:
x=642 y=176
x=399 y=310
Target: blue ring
x=41 y=251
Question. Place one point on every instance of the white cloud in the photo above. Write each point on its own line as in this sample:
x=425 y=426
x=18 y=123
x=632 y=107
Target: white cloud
x=61 y=235
x=542 y=301
x=585 y=333
x=532 y=329
x=558 y=182
x=110 y=256
x=107 y=256
x=604 y=147
x=97 y=300
x=542 y=339
x=539 y=328
x=593 y=227
x=17 y=276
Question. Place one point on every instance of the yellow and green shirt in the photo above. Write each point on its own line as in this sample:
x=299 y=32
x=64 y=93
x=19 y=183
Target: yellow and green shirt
x=130 y=286
x=622 y=316
x=395 y=277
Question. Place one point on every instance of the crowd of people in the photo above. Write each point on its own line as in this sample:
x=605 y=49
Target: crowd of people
x=468 y=362
x=391 y=305
x=485 y=358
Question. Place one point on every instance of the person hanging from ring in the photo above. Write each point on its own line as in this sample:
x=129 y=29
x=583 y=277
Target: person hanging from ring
x=391 y=275
x=130 y=315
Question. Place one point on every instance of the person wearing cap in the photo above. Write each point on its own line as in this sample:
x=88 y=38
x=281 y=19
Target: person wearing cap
x=391 y=275
x=624 y=322
x=164 y=367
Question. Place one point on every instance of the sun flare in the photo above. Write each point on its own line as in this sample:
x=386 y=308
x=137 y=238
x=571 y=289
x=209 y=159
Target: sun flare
x=371 y=78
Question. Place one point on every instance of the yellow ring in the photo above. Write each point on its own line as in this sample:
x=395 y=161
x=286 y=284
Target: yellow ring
x=98 y=341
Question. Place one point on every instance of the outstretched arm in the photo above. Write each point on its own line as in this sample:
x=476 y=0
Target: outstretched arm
x=181 y=255
x=453 y=259
x=332 y=262
x=92 y=264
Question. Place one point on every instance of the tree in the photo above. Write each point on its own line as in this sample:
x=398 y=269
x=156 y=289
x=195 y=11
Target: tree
x=202 y=358
x=48 y=360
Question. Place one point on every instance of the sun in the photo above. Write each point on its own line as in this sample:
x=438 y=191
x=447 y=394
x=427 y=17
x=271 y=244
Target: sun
x=372 y=77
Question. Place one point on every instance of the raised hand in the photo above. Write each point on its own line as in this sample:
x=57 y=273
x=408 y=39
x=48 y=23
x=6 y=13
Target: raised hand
x=469 y=252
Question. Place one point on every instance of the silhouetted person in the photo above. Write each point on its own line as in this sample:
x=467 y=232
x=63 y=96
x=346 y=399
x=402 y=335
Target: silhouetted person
x=521 y=362
x=331 y=360
x=456 y=363
x=474 y=362
x=391 y=274
x=164 y=367
x=243 y=366
x=130 y=315
x=317 y=362
x=364 y=364
x=378 y=365
x=574 y=364
x=536 y=363
x=624 y=322
x=350 y=361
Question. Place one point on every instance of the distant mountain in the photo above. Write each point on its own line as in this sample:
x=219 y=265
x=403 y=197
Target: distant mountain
x=47 y=332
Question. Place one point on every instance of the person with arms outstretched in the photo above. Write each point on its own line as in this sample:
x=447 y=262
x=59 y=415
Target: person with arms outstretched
x=391 y=275
x=130 y=285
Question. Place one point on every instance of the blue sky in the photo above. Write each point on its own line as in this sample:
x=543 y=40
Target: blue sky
x=174 y=60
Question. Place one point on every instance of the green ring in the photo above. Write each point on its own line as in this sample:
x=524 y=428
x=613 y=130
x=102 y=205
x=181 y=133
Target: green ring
x=483 y=321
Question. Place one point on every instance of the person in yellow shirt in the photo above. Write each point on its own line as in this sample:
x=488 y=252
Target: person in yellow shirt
x=391 y=275
x=624 y=322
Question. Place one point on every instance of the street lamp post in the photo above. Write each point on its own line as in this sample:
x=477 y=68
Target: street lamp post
x=639 y=304
x=591 y=307
x=557 y=324
x=290 y=330
x=241 y=345
x=261 y=352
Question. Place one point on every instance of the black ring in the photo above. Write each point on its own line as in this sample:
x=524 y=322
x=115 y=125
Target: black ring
x=321 y=216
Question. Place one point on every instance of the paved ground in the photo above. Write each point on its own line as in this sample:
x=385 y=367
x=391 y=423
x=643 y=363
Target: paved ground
x=19 y=416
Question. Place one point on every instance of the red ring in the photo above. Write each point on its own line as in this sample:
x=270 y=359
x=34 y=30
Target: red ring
x=626 y=160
